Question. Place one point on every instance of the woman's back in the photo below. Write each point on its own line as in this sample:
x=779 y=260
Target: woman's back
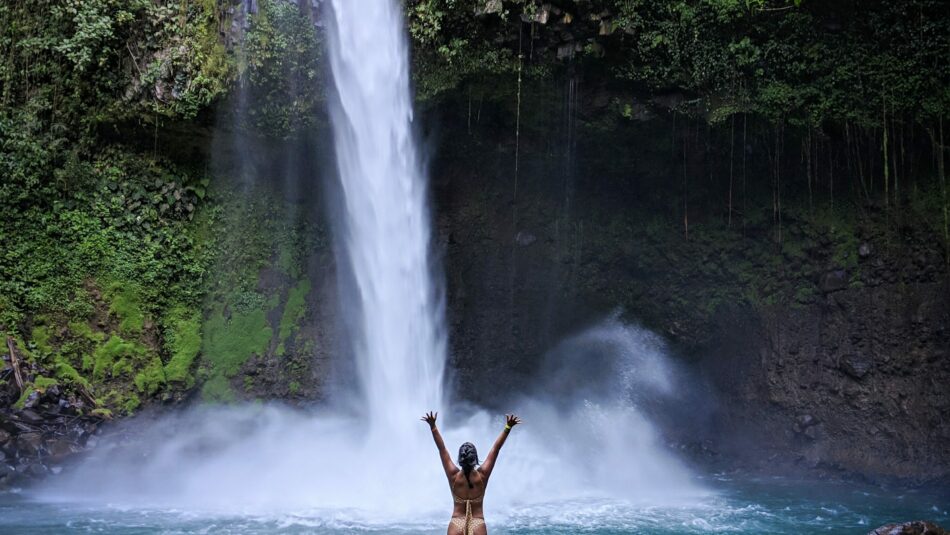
x=461 y=491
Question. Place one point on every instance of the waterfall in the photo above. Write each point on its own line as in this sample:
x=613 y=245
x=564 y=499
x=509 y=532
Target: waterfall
x=585 y=436
x=397 y=332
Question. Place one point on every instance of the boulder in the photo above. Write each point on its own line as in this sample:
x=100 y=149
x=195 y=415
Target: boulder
x=833 y=281
x=910 y=528
x=525 y=239
x=37 y=470
x=60 y=449
x=30 y=443
x=490 y=6
x=856 y=366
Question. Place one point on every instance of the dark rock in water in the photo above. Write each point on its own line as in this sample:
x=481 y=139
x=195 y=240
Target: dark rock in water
x=4 y=436
x=833 y=281
x=37 y=470
x=6 y=470
x=910 y=528
x=856 y=366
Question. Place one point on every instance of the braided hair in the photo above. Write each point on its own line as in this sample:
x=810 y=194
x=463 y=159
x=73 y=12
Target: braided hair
x=468 y=460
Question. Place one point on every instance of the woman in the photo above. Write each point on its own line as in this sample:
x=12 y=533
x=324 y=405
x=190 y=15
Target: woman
x=468 y=483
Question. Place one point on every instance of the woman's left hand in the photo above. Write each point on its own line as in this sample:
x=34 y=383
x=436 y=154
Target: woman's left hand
x=429 y=418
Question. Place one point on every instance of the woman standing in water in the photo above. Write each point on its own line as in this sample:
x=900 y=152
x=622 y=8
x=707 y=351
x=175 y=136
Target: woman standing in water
x=468 y=483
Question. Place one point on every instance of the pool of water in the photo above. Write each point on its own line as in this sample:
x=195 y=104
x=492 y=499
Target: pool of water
x=756 y=506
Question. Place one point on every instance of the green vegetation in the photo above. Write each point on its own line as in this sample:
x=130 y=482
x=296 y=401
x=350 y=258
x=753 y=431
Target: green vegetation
x=229 y=341
x=28 y=391
x=183 y=342
x=127 y=307
x=280 y=62
x=152 y=378
x=294 y=310
x=115 y=357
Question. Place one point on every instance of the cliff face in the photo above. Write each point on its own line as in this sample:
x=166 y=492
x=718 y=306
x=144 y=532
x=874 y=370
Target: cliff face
x=825 y=342
x=856 y=382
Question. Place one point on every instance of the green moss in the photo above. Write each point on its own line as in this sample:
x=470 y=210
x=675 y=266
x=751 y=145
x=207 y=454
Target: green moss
x=183 y=342
x=41 y=337
x=65 y=372
x=293 y=387
x=114 y=356
x=228 y=343
x=131 y=403
x=82 y=330
x=27 y=392
x=294 y=311
x=152 y=378
x=122 y=367
x=126 y=305
x=217 y=389
x=102 y=413
x=42 y=383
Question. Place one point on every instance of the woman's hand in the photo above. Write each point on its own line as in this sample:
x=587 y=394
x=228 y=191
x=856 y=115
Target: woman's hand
x=511 y=420
x=429 y=418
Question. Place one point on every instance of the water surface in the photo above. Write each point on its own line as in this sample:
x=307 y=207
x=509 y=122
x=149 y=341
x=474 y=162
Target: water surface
x=760 y=506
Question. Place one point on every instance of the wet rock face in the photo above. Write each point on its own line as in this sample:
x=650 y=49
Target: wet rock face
x=910 y=528
x=848 y=375
x=38 y=441
x=856 y=383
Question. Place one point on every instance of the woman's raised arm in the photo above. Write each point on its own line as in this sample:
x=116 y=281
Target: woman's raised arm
x=486 y=468
x=447 y=464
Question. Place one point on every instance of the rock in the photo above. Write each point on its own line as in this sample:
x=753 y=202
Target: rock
x=833 y=281
x=30 y=443
x=856 y=366
x=32 y=400
x=6 y=470
x=806 y=420
x=60 y=449
x=525 y=239
x=30 y=416
x=489 y=7
x=37 y=470
x=541 y=16
x=4 y=436
x=910 y=528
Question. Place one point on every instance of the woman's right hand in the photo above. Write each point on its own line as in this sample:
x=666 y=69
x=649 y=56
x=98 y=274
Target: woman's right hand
x=429 y=418
x=511 y=420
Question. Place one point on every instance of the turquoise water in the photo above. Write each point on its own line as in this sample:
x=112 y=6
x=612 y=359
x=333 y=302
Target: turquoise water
x=760 y=506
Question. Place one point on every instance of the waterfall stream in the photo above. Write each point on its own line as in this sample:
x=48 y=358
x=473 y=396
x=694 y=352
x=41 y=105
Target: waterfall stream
x=399 y=338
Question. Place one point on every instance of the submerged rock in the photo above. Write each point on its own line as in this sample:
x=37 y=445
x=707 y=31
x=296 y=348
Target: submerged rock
x=910 y=528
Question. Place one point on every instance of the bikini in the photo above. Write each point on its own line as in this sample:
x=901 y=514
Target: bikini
x=467 y=524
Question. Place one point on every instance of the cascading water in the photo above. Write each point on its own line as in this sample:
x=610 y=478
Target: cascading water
x=399 y=337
